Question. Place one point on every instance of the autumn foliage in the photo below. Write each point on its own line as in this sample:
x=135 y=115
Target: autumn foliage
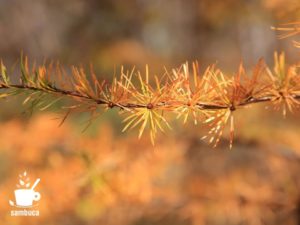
x=101 y=174
x=207 y=96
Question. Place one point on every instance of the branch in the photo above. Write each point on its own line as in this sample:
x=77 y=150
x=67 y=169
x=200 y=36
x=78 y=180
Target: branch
x=74 y=94
x=209 y=97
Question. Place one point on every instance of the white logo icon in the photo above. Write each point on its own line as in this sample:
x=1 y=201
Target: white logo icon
x=25 y=196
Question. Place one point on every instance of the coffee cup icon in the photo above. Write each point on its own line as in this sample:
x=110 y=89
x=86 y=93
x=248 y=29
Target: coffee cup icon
x=25 y=197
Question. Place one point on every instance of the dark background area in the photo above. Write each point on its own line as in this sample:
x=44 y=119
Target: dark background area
x=111 y=33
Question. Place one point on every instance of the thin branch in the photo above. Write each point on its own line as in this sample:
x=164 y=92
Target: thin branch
x=74 y=94
x=208 y=97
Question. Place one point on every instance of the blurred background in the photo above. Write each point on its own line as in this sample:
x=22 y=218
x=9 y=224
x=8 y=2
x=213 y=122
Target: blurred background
x=103 y=176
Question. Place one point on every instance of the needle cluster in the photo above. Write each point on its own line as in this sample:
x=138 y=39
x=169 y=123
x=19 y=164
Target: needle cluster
x=148 y=102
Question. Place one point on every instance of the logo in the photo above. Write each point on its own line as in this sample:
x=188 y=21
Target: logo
x=26 y=197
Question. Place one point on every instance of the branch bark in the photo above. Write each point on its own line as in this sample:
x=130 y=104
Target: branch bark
x=75 y=94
